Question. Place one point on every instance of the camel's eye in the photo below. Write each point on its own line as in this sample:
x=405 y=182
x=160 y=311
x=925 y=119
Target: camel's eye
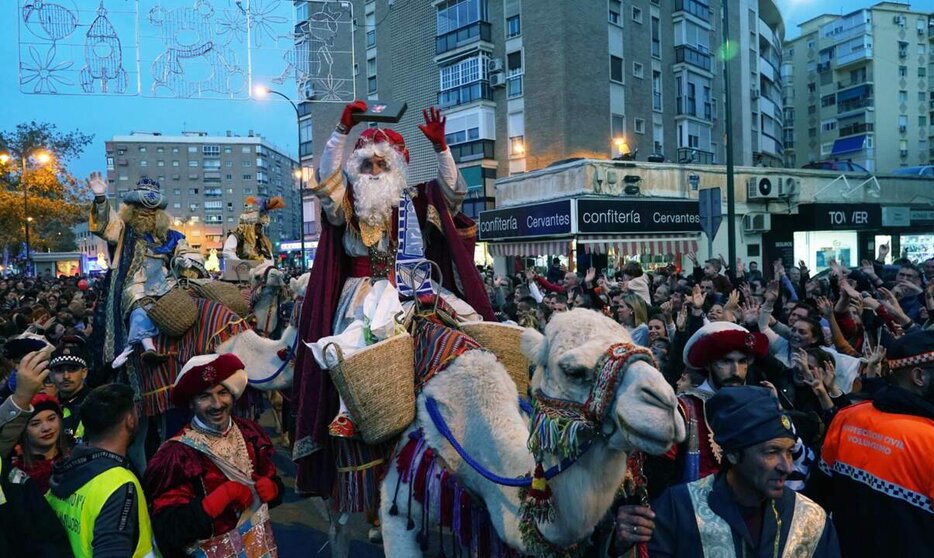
x=575 y=372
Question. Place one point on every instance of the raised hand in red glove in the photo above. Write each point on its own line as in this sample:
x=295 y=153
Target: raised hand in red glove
x=433 y=128
x=231 y=492
x=266 y=489
x=347 y=121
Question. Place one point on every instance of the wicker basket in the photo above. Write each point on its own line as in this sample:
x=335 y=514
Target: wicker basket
x=503 y=341
x=175 y=312
x=227 y=294
x=377 y=384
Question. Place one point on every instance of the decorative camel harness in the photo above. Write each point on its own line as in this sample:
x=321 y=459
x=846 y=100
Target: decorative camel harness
x=563 y=428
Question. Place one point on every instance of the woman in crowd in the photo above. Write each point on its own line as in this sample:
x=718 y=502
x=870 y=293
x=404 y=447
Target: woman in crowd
x=42 y=443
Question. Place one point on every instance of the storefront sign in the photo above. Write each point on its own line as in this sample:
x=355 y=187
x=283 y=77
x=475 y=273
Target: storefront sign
x=624 y=216
x=844 y=216
x=543 y=219
x=921 y=216
x=896 y=217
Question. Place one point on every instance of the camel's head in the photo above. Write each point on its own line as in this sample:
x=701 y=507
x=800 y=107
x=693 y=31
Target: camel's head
x=267 y=275
x=640 y=414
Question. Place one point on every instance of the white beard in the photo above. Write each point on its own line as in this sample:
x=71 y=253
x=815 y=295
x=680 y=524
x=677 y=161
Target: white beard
x=376 y=196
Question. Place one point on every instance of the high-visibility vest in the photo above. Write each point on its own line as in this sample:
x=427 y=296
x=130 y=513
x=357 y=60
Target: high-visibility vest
x=78 y=512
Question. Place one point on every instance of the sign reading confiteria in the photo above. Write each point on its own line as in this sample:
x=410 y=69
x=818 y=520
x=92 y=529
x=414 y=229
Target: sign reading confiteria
x=543 y=219
x=603 y=216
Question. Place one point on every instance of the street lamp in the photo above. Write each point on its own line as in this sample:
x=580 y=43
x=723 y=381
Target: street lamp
x=261 y=91
x=40 y=156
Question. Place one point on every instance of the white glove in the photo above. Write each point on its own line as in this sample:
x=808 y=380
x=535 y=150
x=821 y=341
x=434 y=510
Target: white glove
x=98 y=184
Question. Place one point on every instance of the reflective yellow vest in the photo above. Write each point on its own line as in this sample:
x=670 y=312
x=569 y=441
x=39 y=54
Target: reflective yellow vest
x=79 y=511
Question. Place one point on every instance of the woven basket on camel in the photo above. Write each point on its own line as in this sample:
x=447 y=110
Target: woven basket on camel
x=503 y=341
x=227 y=294
x=175 y=312
x=377 y=383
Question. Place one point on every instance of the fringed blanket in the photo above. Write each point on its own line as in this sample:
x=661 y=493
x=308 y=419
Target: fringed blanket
x=422 y=477
x=215 y=325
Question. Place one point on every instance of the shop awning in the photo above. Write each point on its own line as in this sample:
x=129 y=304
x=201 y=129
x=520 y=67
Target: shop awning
x=848 y=145
x=530 y=249
x=633 y=245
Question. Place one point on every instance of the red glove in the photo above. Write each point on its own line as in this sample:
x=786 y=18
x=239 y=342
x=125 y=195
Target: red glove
x=224 y=495
x=347 y=121
x=433 y=128
x=266 y=489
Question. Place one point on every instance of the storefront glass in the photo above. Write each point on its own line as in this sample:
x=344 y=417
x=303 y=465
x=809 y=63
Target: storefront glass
x=917 y=247
x=817 y=248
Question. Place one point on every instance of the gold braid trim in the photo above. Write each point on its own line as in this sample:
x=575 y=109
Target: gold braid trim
x=330 y=184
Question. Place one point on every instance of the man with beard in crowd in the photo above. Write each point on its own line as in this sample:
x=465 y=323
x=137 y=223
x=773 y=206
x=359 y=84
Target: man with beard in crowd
x=145 y=249
x=360 y=201
x=215 y=470
x=875 y=468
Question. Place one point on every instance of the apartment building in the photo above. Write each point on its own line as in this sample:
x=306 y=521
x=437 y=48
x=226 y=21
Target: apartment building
x=527 y=83
x=860 y=87
x=206 y=180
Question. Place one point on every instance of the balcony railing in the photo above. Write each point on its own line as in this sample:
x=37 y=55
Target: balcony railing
x=855 y=104
x=692 y=56
x=856 y=129
x=855 y=56
x=473 y=150
x=694 y=155
x=688 y=106
x=465 y=94
x=479 y=31
x=693 y=7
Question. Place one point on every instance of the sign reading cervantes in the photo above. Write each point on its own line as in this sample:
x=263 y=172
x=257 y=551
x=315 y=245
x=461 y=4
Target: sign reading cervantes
x=608 y=216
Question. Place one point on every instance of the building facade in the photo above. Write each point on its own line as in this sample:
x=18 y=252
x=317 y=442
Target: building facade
x=207 y=179
x=860 y=87
x=527 y=83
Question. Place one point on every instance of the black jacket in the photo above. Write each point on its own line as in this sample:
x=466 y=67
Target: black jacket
x=28 y=526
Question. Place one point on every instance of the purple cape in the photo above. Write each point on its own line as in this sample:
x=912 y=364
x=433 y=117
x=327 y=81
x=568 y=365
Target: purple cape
x=451 y=247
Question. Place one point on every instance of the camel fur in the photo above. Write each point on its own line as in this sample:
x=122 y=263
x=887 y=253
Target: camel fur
x=478 y=401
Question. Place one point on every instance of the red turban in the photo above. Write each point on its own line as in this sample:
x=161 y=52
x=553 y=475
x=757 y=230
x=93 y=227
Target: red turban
x=206 y=371
x=380 y=135
x=717 y=339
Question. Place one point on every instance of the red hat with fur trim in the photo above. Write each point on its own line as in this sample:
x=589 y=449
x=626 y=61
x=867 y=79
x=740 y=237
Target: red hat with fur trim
x=380 y=135
x=206 y=371
x=717 y=339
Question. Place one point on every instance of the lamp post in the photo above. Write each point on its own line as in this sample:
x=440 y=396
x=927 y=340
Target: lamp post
x=263 y=91
x=727 y=54
x=40 y=156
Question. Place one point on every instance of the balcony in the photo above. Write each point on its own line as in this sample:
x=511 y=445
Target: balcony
x=693 y=155
x=693 y=7
x=854 y=129
x=465 y=94
x=473 y=150
x=690 y=55
x=688 y=106
x=856 y=104
x=479 y=31
x=862 y=55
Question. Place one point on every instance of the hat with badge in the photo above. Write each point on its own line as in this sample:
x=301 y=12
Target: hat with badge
x=745 y=416
x=913 y=349
x=147 y=194
x=67 y=355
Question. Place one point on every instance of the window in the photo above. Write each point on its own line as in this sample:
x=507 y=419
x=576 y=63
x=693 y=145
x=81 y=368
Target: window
x=370 y=29
x=616 y=8
x=230 y=190
x=174 y=163
x=517 y=145
x=192 y=149
x=174 y=150
x=192 y=191
x=247 y=177
x=228 y=164
x=160 y=149
x=828 y=100
x=371 y=75
x=656 y=38
x=903 y=96
x=616 y=69
x=227 y=149
x=637 y=14
x=144 y=163
x=617 y=125
x=828 y=125
x=903 y=71
x=514 y=74
x=176 y=205
x=177 y=191
x=142 y=149
x=922 y=121
x=211 y=150
x=245 y=149
x=637 y=69
x=214 y=205
x=110 y=163
x=922 y=71
x=246 y=164
x=454 y=14
x=160 y=163
x=193 y=207
x=656 y=90
x=212 y=164
x=192 y=163
x=513 y=26
x=639 y=125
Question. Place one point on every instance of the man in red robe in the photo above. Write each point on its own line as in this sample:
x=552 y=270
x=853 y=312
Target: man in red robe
x=215 y=470
x=360 y=200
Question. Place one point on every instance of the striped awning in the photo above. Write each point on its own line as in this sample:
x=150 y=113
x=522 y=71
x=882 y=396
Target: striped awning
x=636 y=244
x=530 y=249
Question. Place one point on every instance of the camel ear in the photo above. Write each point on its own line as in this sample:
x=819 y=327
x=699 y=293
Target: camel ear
x=533 y=345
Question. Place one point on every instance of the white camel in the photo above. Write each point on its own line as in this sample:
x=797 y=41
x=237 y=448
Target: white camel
x=269 y=291
x=478 y=401
x=270 y=363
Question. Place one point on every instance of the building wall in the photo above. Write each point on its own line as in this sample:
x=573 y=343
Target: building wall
x=206 y=201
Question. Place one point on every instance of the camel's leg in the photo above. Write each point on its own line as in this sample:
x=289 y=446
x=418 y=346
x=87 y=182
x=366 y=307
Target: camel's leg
x=275 y=399
x=398 y=541
x=338 y=535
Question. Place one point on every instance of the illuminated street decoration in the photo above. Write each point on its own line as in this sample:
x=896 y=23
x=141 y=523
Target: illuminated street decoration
x=200 y=49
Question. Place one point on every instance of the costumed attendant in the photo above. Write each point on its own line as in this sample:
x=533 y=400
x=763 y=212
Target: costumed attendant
x=249 y=241
x=212 y=483
x=745 y=510
x=145 y=249
x=42 y=443
x=361 y=201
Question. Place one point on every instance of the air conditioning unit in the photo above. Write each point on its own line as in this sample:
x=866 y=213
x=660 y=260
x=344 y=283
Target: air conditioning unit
x=754 y=93
x=757 y=223
x=787 y=187
x=495 y=65
x=498 y=79
x=761 y=188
